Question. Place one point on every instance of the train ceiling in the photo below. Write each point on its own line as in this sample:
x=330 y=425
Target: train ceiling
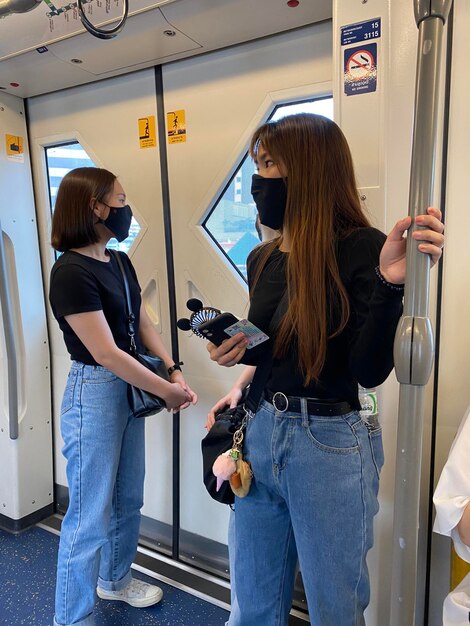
x=47 y=48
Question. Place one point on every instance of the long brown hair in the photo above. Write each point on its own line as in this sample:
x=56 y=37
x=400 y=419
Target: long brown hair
x=73 y=220
x=322 y=207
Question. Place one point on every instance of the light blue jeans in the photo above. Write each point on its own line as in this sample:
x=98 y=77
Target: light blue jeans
x=313 y=497
x=105 y=450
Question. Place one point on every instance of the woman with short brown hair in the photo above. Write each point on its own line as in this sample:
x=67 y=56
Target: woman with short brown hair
x=103 y=441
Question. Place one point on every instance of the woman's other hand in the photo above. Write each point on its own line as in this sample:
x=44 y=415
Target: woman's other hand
x=230 y=351
x=230 y=400
x=177 y=377
x=175 y=397
x=430 y=238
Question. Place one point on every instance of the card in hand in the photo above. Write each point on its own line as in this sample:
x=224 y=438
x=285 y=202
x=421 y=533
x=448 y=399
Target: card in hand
x=254 y=335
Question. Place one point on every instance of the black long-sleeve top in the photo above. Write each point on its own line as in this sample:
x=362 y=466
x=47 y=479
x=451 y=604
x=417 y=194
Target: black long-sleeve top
x=362 y=352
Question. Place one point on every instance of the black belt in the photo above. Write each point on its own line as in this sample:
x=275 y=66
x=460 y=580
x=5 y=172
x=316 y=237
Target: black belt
x=281 y=403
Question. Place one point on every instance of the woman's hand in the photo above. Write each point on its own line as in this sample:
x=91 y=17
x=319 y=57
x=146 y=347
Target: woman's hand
x=230 y=351
x=175 y=396
x=431 y=238
x=177 y=377
x=230 y=400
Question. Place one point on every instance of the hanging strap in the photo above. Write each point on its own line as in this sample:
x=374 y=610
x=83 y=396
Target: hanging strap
x=127 y=291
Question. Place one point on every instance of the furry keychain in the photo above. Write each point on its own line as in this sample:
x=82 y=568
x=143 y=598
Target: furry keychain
x=240 y=481
x=231 y=466
x=224 y=467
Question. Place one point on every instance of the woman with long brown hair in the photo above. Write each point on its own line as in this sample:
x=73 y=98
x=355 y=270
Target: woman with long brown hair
x=315 y=462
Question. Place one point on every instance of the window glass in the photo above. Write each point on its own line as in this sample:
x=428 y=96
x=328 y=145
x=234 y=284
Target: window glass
x=60 y=160
x=231 y=223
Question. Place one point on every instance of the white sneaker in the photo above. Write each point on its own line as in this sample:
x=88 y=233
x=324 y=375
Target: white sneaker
x=136 y=593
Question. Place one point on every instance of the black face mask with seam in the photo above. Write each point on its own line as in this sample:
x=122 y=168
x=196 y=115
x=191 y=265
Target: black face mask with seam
x=118 y=221
x=270 y=196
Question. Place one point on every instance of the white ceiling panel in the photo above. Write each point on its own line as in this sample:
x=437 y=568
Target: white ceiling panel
x=27 y=69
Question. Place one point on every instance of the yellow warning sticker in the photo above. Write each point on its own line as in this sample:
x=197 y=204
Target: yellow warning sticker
x=176 y=125
x=147 y=135
x=15 y=148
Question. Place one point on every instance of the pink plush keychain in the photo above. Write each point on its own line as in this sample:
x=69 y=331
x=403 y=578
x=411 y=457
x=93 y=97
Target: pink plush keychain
x=224 y=466
x=231 y=466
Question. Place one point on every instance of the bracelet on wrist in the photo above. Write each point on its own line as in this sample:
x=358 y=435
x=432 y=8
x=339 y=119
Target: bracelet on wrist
x=174 y=367
x=386 y=283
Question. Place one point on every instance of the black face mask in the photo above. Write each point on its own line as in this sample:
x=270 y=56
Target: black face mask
x=118 y=221
x=270 y=196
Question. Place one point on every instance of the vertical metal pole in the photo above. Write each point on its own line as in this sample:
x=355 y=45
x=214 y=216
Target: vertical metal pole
x=170 y=264
x=414 y=342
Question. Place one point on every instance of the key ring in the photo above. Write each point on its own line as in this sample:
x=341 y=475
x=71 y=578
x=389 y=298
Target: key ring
x=238 y=437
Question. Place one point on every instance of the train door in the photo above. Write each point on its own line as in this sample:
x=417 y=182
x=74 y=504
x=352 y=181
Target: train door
x=110 y=124
x=223 y=97
x=25 y=408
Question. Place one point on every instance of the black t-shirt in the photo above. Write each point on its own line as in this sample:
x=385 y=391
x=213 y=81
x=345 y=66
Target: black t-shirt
x=362 y=352
x=80 y=284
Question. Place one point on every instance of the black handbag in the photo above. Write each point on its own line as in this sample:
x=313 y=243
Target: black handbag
x=142 y=403
x=218 y=440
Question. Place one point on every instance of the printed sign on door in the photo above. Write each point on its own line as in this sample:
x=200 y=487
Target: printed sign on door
x=14 y=148
x=147 y=135
x=176 y=126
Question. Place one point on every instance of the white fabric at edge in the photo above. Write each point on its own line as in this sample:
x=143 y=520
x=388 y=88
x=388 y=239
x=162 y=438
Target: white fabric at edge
x=450 y=499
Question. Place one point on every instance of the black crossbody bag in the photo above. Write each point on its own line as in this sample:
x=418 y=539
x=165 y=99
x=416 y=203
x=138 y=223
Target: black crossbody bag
x=142 y=403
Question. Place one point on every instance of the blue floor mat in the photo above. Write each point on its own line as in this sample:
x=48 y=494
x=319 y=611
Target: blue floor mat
x=27 y=582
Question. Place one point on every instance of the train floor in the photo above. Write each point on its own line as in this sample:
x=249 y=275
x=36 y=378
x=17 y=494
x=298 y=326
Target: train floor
x=27 y=581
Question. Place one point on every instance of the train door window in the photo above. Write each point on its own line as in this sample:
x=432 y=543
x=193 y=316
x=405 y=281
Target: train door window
x=60 y=160
x=231 y=223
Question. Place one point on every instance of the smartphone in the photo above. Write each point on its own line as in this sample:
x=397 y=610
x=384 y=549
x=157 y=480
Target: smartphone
x=214 y=329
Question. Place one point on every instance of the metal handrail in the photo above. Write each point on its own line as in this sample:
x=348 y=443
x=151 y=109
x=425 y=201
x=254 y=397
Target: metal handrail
x=102 y=33
x=414 y=341
x=9 y=331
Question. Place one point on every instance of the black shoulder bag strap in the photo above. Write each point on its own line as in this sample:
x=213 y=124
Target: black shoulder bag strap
x=130 y=314
x=264 y=368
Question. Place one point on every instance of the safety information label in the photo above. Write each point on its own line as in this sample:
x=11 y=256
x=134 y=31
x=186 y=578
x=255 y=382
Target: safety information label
x=147 y=135
x=360 y=69
x=176 y=126
x=361 y=31
x=14 y=148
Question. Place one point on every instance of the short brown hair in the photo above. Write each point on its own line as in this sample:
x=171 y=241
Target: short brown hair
x=72 y=223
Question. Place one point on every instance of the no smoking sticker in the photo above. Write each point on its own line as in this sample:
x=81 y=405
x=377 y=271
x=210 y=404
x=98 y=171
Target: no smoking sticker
x=360 y=69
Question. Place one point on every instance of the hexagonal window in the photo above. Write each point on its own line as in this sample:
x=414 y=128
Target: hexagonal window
x=231 y=222
x=60 y=160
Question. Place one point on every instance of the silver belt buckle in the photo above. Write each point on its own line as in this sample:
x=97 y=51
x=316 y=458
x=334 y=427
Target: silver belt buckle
x=282 y=399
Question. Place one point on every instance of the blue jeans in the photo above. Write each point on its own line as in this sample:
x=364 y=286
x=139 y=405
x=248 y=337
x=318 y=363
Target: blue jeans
x=313 y=497
x=105 y=450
